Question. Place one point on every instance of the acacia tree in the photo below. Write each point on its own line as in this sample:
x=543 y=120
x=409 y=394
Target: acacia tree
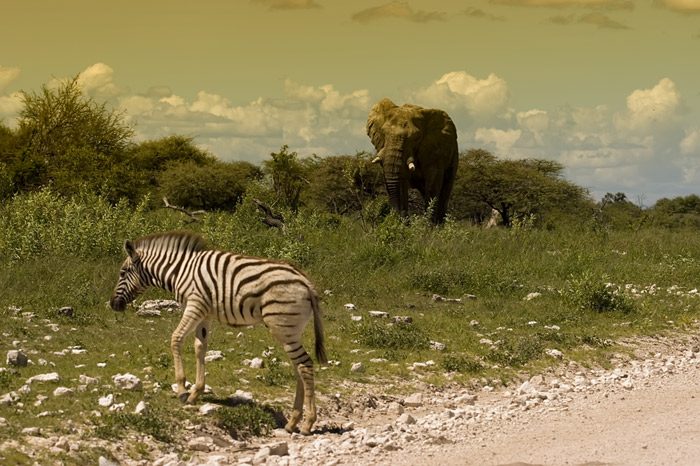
x=289 y=177
x=514 y=188
x=66 y=139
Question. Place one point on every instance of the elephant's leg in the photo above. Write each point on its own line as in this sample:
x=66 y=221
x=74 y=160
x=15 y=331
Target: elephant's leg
x=443 y=197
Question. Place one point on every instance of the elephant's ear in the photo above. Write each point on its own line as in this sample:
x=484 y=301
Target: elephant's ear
x=375 y=122
x=438 y=121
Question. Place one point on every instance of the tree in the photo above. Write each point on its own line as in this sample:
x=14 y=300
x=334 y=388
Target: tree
x=288 y=176
x=65 y=139
x=514 y=188
x=681 y=211
x=343 y=183
x=215 y=185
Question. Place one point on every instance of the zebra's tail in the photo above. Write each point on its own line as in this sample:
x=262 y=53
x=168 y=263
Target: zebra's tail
x=318 y=329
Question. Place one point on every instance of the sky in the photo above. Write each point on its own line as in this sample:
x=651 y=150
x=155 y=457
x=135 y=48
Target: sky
x=608 y=88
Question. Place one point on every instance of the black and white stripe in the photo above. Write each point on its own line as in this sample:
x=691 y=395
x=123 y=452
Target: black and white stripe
x=233 y=289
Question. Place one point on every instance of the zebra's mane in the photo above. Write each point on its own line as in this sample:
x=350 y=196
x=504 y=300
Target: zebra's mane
x=185 y=241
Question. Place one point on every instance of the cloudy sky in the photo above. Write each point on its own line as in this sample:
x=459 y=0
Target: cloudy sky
x=609 y=88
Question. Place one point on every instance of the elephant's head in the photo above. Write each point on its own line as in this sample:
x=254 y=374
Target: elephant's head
x=410 y=142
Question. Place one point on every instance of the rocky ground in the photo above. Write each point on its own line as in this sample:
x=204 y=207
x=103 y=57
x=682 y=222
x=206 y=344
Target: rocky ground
x=643 y=409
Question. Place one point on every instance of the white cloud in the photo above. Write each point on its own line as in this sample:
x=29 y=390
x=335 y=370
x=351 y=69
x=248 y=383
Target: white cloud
x=650 y=109
x=98 y=80
x=690 y=145
x=496 y=140
x=7 y=75
x=460 y=90
x=10 y=105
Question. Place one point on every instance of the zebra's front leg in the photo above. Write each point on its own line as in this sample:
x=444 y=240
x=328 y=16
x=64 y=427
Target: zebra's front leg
x=187 y=324
x=200 y=350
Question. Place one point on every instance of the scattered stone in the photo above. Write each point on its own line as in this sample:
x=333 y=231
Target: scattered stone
x=256 y=363
x=141 y=408
x=278 y=449
x=378 y=360
x=555 y=353
x=63 y=391
x=105 y=462
x=437 y=346
x=50 y=377
x=532 y=296
x=85 y=380
x=106 y=401
x=350 y=307
x=35 y=431
x=154 y=307
x=402 y=319
x=357 y=367
x=204 y=444
x=469 y=296
x=474 y=323
x=65 y=311
x=394 y=409
x=127 y=382
x=414 y=400
x=356 y=318
x=406 y=418
x=213 y=355
x=441 y=299
x=207 y=409
x=16 y=358
x=117 y=407
x=241 y=397
x=328 y=292
x=379 y=314
x=9 y=398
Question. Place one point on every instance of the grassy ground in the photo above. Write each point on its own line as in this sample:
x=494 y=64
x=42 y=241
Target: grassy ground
x=595 y=287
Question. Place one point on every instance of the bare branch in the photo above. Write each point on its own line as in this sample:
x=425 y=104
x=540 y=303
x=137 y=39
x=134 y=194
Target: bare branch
x=270 y=219
x=191 y=215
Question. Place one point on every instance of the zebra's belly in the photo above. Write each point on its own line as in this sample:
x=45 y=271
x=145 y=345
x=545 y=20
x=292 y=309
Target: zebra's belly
x=237 y=315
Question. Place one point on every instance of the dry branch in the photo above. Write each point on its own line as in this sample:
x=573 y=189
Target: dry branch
x=191 y=215
x=270 y=219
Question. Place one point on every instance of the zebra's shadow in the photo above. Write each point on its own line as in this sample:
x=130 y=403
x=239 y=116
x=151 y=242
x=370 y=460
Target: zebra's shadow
x=275 y=412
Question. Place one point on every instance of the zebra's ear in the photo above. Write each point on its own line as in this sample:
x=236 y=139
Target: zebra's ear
x=130 y=250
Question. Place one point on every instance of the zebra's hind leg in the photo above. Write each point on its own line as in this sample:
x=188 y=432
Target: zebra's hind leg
x=298 y=405
x=200 y=350
x=304 y=371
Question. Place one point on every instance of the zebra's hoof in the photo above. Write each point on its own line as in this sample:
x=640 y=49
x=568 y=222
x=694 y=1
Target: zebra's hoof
x=183 y=397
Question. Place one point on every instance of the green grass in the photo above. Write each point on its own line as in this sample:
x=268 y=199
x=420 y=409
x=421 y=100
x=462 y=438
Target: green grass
x=48 y=261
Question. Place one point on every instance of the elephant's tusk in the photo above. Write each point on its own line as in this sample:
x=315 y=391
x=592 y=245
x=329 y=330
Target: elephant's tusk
x=411 y=166
x=376 y=160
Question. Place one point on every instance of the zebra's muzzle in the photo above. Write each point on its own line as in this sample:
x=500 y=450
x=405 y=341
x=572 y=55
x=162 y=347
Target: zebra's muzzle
x=118 y=304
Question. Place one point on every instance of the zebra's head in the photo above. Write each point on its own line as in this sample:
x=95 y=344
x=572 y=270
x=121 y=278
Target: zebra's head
x=130 y=283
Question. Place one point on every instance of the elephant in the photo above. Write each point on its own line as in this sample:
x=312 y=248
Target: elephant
x=416 y=147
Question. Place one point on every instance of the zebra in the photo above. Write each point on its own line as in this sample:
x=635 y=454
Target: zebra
x=233 y=289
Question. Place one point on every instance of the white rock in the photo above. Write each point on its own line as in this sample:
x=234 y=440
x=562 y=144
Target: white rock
x=350 y=307
x=555 y=353
x=257 y=363
x=141 y=408
x=127 y=382
x=16 y=358
x=413 y=400
x=106 y=401
x=213 y=355
x=50 y=377
x=207 y=409
x=241 y=397
x=437 y=346
x=204 y=444
x=356 y=318
x=85 y=380
x=278 y=449
x=532 y=296
x=63 y=391
x=526 y=388
x=394 y=409
x=406 y=418
x=379 y=314
x=261 y=456
x=357 y=367
x=117 y=407
x=78 y=351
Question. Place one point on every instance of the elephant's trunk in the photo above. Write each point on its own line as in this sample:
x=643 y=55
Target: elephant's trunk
x=396 y=179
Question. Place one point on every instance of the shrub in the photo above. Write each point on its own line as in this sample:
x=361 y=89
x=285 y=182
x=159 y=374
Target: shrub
x=588 y=293
x=115 y=425
x=463 y=364
x=399 y=336
x=245 y=420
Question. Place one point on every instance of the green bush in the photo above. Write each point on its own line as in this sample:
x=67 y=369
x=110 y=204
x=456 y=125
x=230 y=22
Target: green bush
x=245 y=420
x=398 y=336
x=588 y=293
x=116 y=425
